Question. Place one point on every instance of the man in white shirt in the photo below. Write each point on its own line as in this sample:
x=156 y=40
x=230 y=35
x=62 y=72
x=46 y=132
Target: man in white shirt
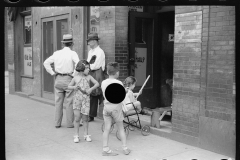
x=64 y=61
x=96 y=58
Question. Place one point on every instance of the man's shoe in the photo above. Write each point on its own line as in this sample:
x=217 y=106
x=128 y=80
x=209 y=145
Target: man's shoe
x=91 y=119
x=57 y=126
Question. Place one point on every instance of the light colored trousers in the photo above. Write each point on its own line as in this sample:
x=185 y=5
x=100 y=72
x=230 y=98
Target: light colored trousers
x=61 y=93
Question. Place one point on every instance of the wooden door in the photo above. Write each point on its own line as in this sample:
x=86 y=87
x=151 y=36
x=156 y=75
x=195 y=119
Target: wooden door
x=141 y=40
x=53 y=29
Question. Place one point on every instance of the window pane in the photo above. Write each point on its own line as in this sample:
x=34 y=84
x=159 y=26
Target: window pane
x=140 y=32
x=47 y=52
x=62 y=28
x=28 y=28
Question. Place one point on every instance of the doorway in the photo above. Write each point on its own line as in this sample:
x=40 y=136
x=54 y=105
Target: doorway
x=151 y=48
x=165 y=49
x=53 y=29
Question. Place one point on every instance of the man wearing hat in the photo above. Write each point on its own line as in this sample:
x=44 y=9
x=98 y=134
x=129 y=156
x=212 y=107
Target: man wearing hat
x=96 y=58
x=64 y=61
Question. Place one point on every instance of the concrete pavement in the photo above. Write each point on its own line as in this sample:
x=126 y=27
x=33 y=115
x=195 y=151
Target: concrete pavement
x=30 y=134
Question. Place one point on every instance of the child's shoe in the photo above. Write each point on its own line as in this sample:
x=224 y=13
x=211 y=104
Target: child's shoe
x=87 y=138
x=109 y=153
x=126 y=151
x=76 y=139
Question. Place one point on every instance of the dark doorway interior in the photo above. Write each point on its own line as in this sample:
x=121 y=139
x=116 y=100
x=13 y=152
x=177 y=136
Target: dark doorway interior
x=166 y=50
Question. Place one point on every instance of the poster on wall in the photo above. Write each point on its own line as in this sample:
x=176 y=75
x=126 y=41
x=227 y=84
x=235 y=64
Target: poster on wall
x=140 y=65
x=28 y=61
x=94 y=19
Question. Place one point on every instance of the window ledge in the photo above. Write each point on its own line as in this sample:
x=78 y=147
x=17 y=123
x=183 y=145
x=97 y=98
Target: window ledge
x=25 y=76
x=25 y=13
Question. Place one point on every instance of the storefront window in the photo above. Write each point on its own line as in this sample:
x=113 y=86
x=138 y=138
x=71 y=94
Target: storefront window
x=94 y=19
x=27 y=29
x=27 y=37
x=140 y=31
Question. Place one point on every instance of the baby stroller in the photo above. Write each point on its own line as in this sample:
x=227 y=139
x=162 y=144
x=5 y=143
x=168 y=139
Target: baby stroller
x=131 y=125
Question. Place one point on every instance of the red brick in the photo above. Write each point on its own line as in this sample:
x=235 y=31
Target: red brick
x=222 y=13
x=216 y=28
x=228 y=28
x=216 y=19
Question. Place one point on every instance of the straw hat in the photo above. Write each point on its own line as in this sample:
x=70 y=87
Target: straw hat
x=67 y=38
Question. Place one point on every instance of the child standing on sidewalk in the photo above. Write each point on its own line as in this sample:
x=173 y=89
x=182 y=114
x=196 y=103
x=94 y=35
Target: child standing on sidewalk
x=112 y=112
x=81 y=99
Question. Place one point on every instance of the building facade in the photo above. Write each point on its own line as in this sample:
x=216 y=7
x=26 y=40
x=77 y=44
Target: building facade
x=191 y=46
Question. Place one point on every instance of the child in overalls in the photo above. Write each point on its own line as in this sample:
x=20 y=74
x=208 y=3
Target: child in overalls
x=81 y=99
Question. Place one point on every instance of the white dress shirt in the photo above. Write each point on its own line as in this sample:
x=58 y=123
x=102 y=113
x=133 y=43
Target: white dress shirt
x=100 y=58
x=63 y=61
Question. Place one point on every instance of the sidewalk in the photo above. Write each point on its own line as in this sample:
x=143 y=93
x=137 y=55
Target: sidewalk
x=30 y=134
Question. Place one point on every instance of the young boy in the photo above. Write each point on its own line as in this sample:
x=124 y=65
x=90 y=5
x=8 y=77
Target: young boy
x=112 y=112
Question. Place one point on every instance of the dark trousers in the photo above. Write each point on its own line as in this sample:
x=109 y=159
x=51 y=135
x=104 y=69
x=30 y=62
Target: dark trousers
x=94 y=101
x=96 y=95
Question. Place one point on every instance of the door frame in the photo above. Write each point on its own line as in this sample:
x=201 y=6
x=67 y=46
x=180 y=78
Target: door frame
x=45 y=94
x=148 y=99
x=132 y=44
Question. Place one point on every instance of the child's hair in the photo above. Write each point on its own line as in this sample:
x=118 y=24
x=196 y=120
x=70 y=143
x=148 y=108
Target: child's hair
x=112 y=68
x=81 y=65
x=129 y=81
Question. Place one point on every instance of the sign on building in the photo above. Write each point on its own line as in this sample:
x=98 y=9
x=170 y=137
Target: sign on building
x=136 y=8
x=28 y=61
x=140 y=65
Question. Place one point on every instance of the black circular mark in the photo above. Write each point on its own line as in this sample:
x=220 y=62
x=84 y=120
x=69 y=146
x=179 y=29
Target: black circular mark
x=76 y=16
x=36 y=22
x=42 y=1
x=73 y=0
x=12 y=1
x=115 y=93
x=103 y=0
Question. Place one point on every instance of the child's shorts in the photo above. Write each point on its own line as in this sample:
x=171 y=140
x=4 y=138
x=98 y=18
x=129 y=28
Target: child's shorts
x=115 y=115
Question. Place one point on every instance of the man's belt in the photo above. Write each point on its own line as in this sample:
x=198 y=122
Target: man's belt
x=64 y=74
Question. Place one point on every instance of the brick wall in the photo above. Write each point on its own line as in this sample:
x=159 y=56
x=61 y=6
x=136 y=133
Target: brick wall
x=121 y=45
x=187 y=60
x=220 y=95
x=5 y=38
x=10 y=47
x=107 y=32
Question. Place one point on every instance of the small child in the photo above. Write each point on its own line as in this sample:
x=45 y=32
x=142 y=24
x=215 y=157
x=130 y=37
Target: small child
x=112 y=112
x=130 y=98
x=81 y=99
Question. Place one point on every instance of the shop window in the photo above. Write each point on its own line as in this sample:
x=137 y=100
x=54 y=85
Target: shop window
x=140 y=31
x=27 y=29
x=27 y=42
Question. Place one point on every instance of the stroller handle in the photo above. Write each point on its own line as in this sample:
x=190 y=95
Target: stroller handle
x=143 y=86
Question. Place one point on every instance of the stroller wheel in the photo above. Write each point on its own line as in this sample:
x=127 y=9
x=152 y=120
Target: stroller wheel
x=130 y=127
x=103 y=126
x=126 y=132
x=145 y=130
